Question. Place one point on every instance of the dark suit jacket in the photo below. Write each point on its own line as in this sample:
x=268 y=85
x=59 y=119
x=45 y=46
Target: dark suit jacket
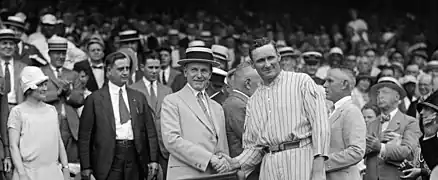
x=74 y=100
x=97 y=134
x=85 y=65
x=156 y=108
x=18 y=67
x=172 y=77
x=428 y=150
x=387 y=169
x=30 y=55
x=412 y=110
x=235 y=109
x=179 y=82
x=4 y=143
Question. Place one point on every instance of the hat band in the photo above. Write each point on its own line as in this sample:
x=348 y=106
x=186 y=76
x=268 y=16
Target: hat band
x=220 y=56
x=58 y=46
x=129 y=37
x=7 y=36
x=14 y=23
x=199 y=55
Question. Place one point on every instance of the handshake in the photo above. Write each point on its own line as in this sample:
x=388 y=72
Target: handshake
x=223 y=163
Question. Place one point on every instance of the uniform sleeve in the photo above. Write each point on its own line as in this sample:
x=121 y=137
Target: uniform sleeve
x=316 y=112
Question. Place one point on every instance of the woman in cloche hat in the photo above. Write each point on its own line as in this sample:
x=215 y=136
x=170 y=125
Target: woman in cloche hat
x=34 y=137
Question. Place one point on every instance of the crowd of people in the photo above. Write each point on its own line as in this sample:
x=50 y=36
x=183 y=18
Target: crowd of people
x=87 y=96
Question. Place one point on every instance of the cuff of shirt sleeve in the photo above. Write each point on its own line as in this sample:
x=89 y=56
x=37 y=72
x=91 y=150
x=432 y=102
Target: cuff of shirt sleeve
x=382 y=150
x=427 y=138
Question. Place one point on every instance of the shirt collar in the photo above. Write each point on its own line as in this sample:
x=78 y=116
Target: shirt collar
x=92 y=64
x=195 y=92
x=342 y=101
x=54 y=68
x=11 y=62
x=240 y=92
x=114 y=88
x=148 y=83
x=392 y=113
x=276 y=80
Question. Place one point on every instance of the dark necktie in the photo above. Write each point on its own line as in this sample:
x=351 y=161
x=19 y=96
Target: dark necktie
x=58 y=73
x=96 y=67
x=153 y=95
x=386 y=118
x=7 y=78
x=163 y=79
x=123 y=109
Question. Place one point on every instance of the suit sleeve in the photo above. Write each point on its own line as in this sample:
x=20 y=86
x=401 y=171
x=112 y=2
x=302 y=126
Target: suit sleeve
x=184 y=150
x=353 y=134
x=151 y=132
x=86 y=126
x=404 y=150
x=235 y=120
x=4 y=113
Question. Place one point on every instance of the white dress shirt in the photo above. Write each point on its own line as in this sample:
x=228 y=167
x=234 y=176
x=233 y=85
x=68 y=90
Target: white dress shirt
x=166 y=74
x=12 y=97
x=99 y=73
x=123 y=131
x=148 y=86
x=339 y=103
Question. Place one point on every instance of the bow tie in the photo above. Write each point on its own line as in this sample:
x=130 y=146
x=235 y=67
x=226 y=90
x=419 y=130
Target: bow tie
x=385 y=118
x=97 y=67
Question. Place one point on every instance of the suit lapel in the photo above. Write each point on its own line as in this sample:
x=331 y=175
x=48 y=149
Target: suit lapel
x=160 y=96
x=133 y=107
x=213 y=116
x=335 y=116
x=108 y=106
x=52 y=77
x=172 y=75
x=90 y=72
x=394 y=123
x=189 y=98
x=144 y=89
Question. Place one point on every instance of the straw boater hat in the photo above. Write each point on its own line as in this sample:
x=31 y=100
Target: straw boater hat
x=48 y=19
x=288 y=51
x=337 y=51
x=129 y=35
x=173 y=32
x=8 y=34
x=15 y=21
x=31 y=76
x=197 y=43
x=312 y=57
x=198 y=54
x=389 y=82
x=220 y=52
x=431 y=65
x=57 y=44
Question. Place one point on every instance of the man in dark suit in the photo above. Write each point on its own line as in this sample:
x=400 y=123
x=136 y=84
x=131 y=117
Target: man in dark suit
x=117 y=136
x=94 y=66
x=4 y=148
x=216 y=89
x=155 y=93
x=63 y=93
x=27 y=53
x=168 y=74
x=245 y=83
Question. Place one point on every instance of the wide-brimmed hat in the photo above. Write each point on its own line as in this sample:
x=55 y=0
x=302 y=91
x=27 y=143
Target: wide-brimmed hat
x=288 y=51
x=129 y=35
x=389 y=82
x=8 y=34
x=48 y=19
x=31 y=76
x=57 y=44
x=220 y=52
x=431 y=101
x=15 y=21
x=198 y=54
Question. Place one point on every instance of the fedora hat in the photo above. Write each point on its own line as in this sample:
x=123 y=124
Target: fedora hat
x=220 y=52
x=30 y=77
x=8 y=34
x=389 y=82
x=15 y=21
x=198 y=54
x=129 y=35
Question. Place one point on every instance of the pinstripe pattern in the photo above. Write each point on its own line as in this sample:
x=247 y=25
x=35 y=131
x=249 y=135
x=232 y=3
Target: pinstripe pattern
x=290 y=108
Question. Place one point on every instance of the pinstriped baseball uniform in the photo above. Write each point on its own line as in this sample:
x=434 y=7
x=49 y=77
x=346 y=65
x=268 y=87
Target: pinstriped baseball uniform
x=291 y=108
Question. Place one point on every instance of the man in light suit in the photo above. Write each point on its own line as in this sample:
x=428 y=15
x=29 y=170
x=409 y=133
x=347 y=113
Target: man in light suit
x=393 y=137
x=347 y=142
x=155 y=93
x=193 y=125
x=63 y=93
x=246 y=81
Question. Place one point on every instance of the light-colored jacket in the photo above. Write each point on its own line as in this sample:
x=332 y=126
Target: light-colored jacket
x=347 y=143
x=189 y=136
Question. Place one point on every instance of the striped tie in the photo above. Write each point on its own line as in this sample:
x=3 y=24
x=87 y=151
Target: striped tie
x=123 y=109
x=204 y=108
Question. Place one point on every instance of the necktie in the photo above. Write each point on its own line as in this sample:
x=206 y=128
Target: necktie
x=153 y=95
x=96 y=67
x=7 y=78
x=58 y=73
x=123 y=110
x=385 y=118
x=163 y=79
x=204 y=108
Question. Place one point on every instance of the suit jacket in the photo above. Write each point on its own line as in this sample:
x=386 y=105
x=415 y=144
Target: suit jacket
x=18 y=67
x=74 y=100
x=162 y=91
x=97 y=132
x=347 y=143
x=179 y=82
x=235 y=110
x=30 y=55
x=412 y=110
x=172 y=77
x=85 y=65
x=190 y=136
x=387 y=169
x=4 y=143
x=428 y=150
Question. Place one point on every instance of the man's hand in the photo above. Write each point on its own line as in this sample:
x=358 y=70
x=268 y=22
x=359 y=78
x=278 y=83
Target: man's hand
x=7 y=165
x=153 y=169
x=413 y=173
x=318 y=172
x=86 y=174
x=430 y=129
x=233 y=163
x=373 y=144
x=219 y=164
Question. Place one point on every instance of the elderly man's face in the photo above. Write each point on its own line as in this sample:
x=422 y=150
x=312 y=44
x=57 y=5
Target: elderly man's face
x=334 y=85
x=57 y=58
x=387 y=98
x=425 y=86
x=198 y=75
x=265 y=60
x=95 y=52
x=7 y=48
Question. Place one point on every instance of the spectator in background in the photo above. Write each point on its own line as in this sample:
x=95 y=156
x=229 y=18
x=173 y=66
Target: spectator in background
x=359 y=95
x=365 y=66
x=370 y=113
x=413 y=70
x=335 y=58
x=312 y=61
x=289 y=58
x=432 y=68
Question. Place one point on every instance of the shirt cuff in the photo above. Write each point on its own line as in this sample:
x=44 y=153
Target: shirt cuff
x=427 y=138
x=382 y=151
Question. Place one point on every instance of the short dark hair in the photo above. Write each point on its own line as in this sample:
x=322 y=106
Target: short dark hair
x=372 y=107
x=259 y=43
x=113 y=57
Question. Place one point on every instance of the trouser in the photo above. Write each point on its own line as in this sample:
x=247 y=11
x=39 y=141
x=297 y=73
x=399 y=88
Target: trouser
x=163 y=163
x=126 y=165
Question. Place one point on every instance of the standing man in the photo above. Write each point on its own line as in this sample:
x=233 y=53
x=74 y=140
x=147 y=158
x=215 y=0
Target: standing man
x=246 y=81
x=312 y=61
x=130 y=39
x=63 y=93
x=286 y=125
x=347 y=142
x=168 y=73
x=155 y=93
x=193 y=125
x=393 y=137
x=220 y=54
x=122 y=144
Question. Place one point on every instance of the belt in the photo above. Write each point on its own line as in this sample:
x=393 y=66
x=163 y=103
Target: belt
x=124 y=142
x=13 y=104
x=287 y=145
